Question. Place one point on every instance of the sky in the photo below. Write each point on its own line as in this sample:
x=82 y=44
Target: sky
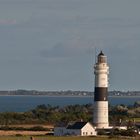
x=50 y=44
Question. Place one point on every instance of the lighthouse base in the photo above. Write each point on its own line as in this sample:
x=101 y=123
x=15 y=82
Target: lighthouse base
x=100 y=117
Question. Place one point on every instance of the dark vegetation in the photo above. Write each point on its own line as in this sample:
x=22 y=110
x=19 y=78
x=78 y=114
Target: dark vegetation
x=35 y=128
x=48 y=114
x=125 y=115
x=42 y=114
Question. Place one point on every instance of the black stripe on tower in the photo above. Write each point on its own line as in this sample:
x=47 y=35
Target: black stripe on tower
x=100 y=94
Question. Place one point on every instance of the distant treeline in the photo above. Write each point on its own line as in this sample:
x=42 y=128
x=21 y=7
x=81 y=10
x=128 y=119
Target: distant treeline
x=67 y=93
x=47 y=114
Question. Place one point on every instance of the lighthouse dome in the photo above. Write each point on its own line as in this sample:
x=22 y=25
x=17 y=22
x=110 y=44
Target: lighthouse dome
x=101 y=58
x=101 y=54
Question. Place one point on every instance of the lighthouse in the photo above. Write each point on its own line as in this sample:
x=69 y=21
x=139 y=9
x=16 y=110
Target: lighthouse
x=101 y=71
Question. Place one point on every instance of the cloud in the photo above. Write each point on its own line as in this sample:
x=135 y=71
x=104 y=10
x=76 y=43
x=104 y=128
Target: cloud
x=67 y=49
x=57 y=50
x=7 y=21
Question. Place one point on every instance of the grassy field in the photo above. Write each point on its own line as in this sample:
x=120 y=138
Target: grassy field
x=63 y=138
x=137 y=119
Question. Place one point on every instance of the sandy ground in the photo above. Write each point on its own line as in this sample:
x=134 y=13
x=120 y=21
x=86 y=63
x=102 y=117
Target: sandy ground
x=20 y=132
x=10 y=133
x=31 y=125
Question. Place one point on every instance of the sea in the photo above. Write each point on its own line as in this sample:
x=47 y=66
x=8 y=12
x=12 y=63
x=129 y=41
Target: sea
x=26 y=103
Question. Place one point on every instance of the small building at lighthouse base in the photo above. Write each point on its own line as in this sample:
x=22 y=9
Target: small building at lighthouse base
x=76 y=129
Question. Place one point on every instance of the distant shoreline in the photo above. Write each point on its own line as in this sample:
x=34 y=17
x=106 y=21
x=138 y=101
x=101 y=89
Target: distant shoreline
x=72 y=96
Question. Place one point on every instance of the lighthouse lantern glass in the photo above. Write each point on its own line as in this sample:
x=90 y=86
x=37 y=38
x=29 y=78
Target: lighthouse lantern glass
x=102 y=59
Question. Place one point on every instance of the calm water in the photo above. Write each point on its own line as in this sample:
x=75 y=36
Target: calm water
x=25 y=103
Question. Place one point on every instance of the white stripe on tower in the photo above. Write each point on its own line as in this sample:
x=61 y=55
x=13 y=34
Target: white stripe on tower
x=101 y=71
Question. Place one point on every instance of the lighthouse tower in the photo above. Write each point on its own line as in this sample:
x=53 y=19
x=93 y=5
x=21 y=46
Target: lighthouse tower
x=101 y=71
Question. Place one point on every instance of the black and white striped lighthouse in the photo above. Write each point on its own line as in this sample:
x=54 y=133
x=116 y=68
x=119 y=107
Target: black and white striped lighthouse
x=101 y=71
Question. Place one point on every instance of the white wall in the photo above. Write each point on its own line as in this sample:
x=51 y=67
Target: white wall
x=101 y=114
x=88 y=130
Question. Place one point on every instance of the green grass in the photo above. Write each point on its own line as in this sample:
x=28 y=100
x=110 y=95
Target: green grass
x=60 y=138
x=137 y=119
